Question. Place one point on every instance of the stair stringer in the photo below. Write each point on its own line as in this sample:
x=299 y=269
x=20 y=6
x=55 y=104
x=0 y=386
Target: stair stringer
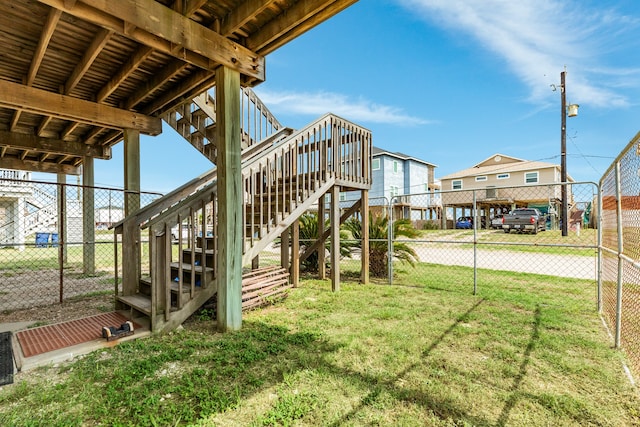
x=287 y=221
x=160 y=324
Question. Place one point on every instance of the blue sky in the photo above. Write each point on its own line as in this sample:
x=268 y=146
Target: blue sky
x=451 y=82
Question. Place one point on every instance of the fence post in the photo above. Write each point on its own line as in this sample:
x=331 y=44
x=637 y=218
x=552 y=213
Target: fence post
x=598 y=224
x=390 y=242
x=475 y=244
x=620 y=248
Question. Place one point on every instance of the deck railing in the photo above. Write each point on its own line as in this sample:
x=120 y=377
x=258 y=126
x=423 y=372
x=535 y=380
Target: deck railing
x=280 y=182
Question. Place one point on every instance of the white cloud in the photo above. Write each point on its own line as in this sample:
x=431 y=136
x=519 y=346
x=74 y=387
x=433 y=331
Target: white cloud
x=319 y=103
x=537 y=38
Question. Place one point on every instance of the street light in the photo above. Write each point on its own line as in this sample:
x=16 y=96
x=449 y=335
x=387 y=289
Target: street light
x=572 y=112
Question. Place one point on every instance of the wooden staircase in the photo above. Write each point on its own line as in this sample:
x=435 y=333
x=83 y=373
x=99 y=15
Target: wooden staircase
x=194 y=120
x=283 y=176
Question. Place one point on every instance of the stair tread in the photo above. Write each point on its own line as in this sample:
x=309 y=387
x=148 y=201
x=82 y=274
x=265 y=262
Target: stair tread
x=140 y=302
x=187 y=266
x=186 y=287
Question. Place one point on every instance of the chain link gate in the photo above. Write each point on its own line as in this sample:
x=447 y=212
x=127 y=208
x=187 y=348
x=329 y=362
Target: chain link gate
x=50 y=251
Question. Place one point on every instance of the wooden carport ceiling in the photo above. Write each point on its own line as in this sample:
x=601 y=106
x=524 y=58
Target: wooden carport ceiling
x=74 y=73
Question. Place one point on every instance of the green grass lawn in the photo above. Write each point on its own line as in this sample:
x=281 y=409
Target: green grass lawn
x=528 y=350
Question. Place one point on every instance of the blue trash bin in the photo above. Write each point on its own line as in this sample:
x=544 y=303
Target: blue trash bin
x=42 y=240
x=54 y=240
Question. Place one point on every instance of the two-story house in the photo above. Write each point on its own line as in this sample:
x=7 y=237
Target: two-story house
x=501 y=183
x=408 y=182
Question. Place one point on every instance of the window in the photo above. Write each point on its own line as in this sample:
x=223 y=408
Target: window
x=343 y=197
x=394 y=191
x=481 y=178
x=395 y=166
x=531 y=177
x=375 y=164
x=503 y=176
x=456 y=184
x=426 y=187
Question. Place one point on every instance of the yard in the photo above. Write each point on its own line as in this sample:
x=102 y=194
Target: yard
x=527 y=350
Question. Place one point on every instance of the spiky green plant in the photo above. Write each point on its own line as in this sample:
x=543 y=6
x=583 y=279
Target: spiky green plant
x=309 y=235
x=378 y=241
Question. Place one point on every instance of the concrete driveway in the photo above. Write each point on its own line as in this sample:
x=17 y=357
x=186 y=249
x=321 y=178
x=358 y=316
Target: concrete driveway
x=580 y=267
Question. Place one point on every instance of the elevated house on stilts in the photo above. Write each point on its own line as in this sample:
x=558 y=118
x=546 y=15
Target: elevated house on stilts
x=79 y=76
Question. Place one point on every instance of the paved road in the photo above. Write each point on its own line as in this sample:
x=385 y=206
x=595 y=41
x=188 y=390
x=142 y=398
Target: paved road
x=581 y=267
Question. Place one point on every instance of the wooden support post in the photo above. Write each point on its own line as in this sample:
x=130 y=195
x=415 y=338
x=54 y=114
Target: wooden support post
x=131 y=171
x=88 y=215
x=230 y=227
x=335 y=238
x=322 y=264
x=131 y=248
x=284 y=248
x=364 y=216
x=295 y=253
x=255 y=262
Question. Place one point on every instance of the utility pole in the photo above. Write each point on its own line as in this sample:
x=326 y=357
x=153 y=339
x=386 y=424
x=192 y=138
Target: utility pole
x=563 y=156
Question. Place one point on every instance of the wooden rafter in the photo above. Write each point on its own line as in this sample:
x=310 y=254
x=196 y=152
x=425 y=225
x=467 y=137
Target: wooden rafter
x=16 y=96
x=160 y=78
x=150 y=23
x=246 y=11
x=45 y=37
x=90 y=54
x=94 y=49
x=41 y=48
x=124 y=72
x=301 y=17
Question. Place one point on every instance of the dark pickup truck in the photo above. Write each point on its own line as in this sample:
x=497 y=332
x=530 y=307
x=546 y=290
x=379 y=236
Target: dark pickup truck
x=524 y=220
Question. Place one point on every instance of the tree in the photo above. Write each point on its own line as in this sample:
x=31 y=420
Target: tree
x=378 y=241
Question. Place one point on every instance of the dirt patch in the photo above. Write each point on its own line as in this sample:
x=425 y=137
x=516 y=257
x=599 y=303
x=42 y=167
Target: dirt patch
x=55 y=313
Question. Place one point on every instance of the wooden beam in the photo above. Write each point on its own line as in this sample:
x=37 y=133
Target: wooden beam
x=92 y=52
x=134 y=61
x=191 y=6
x=158 y=79
x=38 y=101
x=155 y=25
x=45 y=37
x=245 y=11
x=301 y=17
x=54 y=146
x=230 y=224
x=36 y=166
x=185 y=90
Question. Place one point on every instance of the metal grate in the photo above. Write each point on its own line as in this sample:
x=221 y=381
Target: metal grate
x=54 y=337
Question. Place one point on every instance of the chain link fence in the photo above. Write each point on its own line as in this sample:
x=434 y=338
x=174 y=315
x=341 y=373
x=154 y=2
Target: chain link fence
x=51 y=249
x=469 y=231
x=619 y=285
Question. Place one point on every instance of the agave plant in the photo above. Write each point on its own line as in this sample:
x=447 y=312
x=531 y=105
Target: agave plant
x=378 y=241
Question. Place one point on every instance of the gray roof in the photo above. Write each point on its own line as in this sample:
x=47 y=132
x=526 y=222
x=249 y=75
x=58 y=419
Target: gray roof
x=381 y=152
